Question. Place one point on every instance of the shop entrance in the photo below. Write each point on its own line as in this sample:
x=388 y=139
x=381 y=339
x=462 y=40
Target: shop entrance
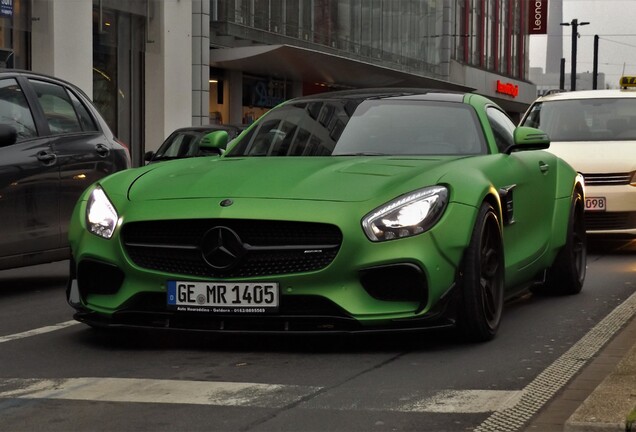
x=118 y=71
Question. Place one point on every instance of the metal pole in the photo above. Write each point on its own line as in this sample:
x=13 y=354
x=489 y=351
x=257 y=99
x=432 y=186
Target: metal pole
x=562 y=76
x=575 y=25
x=575 y=34
x=595 y=67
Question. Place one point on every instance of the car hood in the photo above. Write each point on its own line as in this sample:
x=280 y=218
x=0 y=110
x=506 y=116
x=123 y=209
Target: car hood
x=592 y=157
x=346 y=179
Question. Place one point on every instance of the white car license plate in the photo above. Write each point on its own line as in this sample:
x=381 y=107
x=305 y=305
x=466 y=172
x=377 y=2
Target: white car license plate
x=595 y=204
x=223 y=297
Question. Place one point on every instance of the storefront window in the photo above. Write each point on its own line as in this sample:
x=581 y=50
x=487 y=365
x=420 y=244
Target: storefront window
x=484 y=33
x=515 y=38
x=491 y=33
x=459 y=38
x=504 y=37
x=262 y=94
x=292 y=16
x=15 y=28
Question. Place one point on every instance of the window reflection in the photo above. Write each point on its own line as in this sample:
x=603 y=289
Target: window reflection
x=370 y=127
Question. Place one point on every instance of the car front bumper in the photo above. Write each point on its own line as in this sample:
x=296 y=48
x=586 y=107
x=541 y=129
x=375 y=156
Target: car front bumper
x=618 y=218
x=355 y=292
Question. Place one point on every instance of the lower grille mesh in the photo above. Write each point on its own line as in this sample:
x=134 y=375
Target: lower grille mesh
x=610 y=220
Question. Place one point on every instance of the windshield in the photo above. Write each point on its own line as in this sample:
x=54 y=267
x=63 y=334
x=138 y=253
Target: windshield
x=610 y=119
x=179 y=145
x=369 y=127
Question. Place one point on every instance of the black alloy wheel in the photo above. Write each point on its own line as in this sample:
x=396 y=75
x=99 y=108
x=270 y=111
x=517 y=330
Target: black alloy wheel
x=482 y=279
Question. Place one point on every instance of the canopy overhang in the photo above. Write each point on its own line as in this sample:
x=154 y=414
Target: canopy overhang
x=306 y=65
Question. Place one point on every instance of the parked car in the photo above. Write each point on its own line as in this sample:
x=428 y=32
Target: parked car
x=185 y=142
x=366 y=210
x=595 y=132
x=53 y=145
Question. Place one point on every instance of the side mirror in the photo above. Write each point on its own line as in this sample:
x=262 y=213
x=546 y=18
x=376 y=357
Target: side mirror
x=8 y=135
x=148 y=156
x=213 y=143
x=528 y=138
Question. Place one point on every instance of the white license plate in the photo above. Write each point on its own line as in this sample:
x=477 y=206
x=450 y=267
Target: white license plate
x=595 y=204
x=223 y=297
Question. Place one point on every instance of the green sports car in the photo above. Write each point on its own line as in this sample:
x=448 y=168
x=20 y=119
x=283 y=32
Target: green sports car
x=361 y=210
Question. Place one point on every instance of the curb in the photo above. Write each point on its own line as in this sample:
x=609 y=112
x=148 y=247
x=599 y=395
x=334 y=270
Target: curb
x=612 y=405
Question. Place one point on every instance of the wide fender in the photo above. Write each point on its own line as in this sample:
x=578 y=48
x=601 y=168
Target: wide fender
x=471 y=187
x=569 y=181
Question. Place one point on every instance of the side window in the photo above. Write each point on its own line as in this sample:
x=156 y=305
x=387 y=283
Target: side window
x=87 y=121
x=14 y=109
x=534 y=116
x=58 y=108
x=502 y=127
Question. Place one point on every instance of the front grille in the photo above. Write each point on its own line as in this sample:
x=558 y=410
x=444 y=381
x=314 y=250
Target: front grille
x=614 y=179
x=596 y=221
x=270 y=247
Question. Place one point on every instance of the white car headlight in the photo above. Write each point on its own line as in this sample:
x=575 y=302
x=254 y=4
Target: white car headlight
x=101 y=216
x=407 y=215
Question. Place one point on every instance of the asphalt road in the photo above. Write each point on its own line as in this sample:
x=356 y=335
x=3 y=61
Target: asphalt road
x=57 y=375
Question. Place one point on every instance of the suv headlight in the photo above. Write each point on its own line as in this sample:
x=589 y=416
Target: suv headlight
x=101 y=216
x=407 y=215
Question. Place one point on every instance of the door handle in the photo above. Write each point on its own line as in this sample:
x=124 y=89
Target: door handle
x=544 y=167
x=46 y=157
x=102 y=150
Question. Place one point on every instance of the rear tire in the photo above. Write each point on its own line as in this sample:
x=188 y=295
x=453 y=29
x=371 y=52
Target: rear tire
x=567 y=273
x=482 y=279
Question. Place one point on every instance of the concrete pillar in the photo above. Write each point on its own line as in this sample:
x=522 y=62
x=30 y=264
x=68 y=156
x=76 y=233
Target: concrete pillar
x=200 y=62
x=62 y=41
x=168 y=80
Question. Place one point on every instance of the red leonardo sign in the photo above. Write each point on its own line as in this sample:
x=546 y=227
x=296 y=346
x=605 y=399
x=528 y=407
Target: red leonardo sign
x=509 y=89
x=537 y=16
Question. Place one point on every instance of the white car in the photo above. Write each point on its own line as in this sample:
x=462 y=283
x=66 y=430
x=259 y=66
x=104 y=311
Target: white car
x=595 y=132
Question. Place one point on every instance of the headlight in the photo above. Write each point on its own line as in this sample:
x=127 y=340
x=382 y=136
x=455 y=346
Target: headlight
x=407 y=215
x=101 y=216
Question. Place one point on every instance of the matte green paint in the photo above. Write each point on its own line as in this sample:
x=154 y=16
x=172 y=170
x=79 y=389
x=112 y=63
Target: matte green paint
x=341 y=191
x=214 y=141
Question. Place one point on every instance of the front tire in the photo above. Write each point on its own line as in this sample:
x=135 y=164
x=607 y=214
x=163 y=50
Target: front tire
x=482 y=279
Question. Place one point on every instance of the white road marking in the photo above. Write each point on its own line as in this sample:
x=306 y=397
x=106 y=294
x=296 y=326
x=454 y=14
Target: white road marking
x=132 y=390
x=509 y=409
x=465 y=401
x=37 y=331
x=157 y=391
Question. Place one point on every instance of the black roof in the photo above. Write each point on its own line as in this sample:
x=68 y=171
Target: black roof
x=211 y=127
x=388 y=93
x=4 y=72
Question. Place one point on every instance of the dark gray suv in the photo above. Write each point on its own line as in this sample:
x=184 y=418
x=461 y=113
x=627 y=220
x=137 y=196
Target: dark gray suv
x=53 y=144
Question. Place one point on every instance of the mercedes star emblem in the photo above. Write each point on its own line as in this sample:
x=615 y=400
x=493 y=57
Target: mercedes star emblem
x=222 y=248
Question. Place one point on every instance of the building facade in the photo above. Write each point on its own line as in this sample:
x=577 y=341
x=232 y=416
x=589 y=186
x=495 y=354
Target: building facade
x=154 y=65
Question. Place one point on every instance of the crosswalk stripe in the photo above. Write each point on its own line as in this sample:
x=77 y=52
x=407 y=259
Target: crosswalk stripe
x=465 y=401
x=37 y=331
x=156 y=391
x=134 y=390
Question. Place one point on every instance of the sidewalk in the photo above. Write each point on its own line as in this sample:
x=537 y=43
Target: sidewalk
x=601 y=396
